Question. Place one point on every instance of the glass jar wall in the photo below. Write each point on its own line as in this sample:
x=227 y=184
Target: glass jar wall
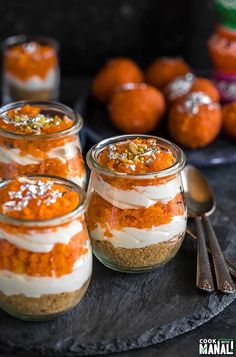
x=41 y=138
x=45 y=253
x=136 y=214
x=30 y=69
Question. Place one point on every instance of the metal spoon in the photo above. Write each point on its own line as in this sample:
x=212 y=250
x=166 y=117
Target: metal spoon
x=231 y=263
x=204 y=279
x=200 y=200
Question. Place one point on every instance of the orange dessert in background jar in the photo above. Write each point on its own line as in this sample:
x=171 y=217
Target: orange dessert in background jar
x=45 y=254
x=136 y=214
x=40 y=138
x=30 y=69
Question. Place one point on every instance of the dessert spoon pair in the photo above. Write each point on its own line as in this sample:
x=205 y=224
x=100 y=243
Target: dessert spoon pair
x=201 y=204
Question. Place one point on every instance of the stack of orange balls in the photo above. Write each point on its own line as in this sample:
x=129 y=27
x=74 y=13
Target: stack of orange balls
x=138 y=100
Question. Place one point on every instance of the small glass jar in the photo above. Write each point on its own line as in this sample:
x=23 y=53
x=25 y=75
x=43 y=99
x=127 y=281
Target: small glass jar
x=45 y=263
x=136 y=222
x=54 y=152
x=30 y=69
x=222 y=45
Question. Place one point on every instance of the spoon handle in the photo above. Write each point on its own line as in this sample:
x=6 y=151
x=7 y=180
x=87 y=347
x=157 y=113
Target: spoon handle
x=223 y=278
x=204 y=280
x=229 y=261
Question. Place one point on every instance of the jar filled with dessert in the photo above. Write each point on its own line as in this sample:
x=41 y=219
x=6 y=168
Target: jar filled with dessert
x=40 y=138
x=45 y=253
x=30 y=69
x=136 y=213
x=221 y=46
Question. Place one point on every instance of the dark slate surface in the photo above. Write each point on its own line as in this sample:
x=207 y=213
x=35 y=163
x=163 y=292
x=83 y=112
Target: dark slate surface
x=122 y=312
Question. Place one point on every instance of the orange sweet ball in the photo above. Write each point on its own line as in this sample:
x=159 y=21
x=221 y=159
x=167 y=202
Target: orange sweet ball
x=229 y=119
x=195 y=122
x=137 y=110
x=177 y=90
x=164 y=70
x=114 y=74
x=206 y=86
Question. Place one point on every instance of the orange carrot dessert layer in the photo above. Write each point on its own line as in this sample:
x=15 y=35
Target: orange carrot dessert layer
x=59 y=156
x=104 y=213
x=59 y=261
x=37 y=199
x=29 y=119
x=30 y=59
x=139 y=156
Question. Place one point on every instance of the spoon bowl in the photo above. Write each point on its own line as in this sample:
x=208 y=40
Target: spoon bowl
x=201 y=203
x=198 y=194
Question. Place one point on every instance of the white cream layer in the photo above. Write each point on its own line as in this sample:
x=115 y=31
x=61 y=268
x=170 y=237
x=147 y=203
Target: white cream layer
x=139 y=196
x=63 y=153
x=44 y=241
x=130 y=237
x=35 y=83
x=15 y=284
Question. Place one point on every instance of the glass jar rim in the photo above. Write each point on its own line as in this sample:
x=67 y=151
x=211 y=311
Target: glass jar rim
x=94 y=152
x=22 y=38
x=76 y=212
x=75 y=116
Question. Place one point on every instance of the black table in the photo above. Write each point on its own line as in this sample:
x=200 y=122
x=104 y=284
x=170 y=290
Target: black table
x=222 y=179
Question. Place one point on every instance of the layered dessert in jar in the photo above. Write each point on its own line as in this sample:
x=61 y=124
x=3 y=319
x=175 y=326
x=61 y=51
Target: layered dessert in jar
x=45 y=253
x=42 y=138
x=222 y=50
x=30 y=69
x=136 y=214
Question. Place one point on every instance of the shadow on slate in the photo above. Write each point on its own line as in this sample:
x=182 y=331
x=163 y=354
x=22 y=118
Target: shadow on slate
x=122 y=312
x=98 y=126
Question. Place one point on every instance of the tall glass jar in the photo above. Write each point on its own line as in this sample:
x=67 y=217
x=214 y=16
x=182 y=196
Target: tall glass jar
x=42 y=138
x=30 y=68
x=45 y=253
x=137 y=221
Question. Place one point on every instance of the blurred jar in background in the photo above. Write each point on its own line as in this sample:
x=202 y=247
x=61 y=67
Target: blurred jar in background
x=30 y=69
x=222 y=50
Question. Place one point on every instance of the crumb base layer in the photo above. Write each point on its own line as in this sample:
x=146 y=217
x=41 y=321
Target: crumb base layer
x=44 y=308
x=136 y=260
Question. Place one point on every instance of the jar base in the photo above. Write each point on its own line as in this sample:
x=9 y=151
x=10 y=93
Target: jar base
x=133 y=270
x=35 y=309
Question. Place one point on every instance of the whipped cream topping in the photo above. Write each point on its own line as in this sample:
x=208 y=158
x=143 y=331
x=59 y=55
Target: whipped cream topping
x=43 y=241
x=66 y=152
x=139 y=196
x=35 y=82
x=8 y=156
x=15 y=284
x=130 y=237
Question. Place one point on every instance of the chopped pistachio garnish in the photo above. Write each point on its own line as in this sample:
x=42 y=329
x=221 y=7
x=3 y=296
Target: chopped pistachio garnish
x=28 y=124
x=133 y=153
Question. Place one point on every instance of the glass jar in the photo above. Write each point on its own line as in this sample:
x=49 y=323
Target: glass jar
x=45 y=253
x=136 y=222
x=221 y=47
x=30 y=68
x=56 y=151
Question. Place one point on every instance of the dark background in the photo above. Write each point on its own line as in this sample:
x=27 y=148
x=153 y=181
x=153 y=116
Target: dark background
x=90 y=31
